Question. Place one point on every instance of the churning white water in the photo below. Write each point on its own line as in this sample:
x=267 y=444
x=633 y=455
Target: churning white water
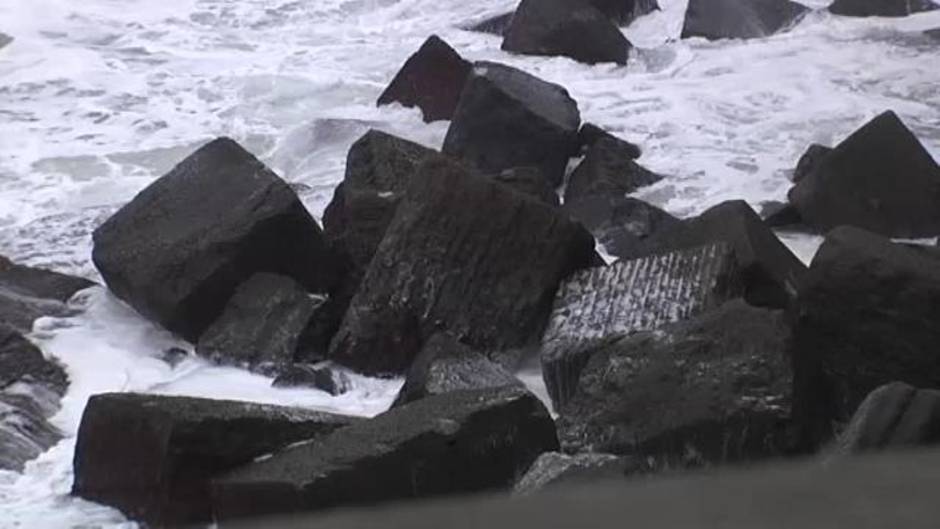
x=100 y=97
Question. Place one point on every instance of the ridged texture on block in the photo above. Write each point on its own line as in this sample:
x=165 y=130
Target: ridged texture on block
x=601 y=304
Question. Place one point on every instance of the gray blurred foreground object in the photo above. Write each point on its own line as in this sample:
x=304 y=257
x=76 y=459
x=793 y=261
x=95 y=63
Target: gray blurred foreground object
x=877 y=492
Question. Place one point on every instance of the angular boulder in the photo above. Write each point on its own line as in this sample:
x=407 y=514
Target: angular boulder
x=464 y=254
x=307 y=376
x=446 y=365
x=866 y=316
x=29 y=293
x=379 y=167
x=459 y=442
x=893 y=416
x=180 y=248
x=507 y=118
x=600 y=305
x=431 y=80
x=880 y=179
x=590 y=133
x=880 y=8
x=771 y=271
x=30 y=388
x=608 y=168
x=709 y=390
x=554 y=468
x=740 y=19
x=620 y=223
x=810 y=160
x=261 y=326
x=568 y=28
x=152 y=456
x=781 y=215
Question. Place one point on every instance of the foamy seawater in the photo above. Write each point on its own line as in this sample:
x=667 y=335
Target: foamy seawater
x=100 y=97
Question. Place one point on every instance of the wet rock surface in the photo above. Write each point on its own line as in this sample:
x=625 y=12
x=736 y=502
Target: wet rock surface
x=879 y=179
x=180 y=248
x=866 y=316
x=463 y=254
x=598 y=306
x=152 y=456
x=508 y=118
x=708 y=390
x=740 y=19
x=569 y=28
x=464 y=441
x=446 y=365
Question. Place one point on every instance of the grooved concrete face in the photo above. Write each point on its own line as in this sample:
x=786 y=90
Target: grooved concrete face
x=599 y=305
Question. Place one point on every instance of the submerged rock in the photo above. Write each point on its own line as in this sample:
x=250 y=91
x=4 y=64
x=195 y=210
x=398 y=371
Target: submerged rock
x=866 y=316
x=463 y=254
x=507 y=118
x=29 y=293
x=589 y=134
x=495 y=25
x=459 y=442
x=446 y=365
x=326 y=378
x=569 y=28
x=261 y=326
x=600 y=305
x=879 y=179
x=152 y=456
x=4 y=40
x=740 y=19
x=553 y=468
x=431 y=80
x=880 y=8
x=893 y=416
x=712 y=389
x=608 y=168
x=30 y=389
x=181 y=247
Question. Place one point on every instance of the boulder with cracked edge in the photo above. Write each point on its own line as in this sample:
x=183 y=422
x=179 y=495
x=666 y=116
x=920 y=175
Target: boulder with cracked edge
x=152 y=456
x=458 y=442
x=896 y=415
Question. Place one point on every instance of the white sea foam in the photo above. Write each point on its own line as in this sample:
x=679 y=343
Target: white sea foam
x=99 y=97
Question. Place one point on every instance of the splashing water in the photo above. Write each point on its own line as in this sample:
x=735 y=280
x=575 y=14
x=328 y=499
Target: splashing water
x=100 y=97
